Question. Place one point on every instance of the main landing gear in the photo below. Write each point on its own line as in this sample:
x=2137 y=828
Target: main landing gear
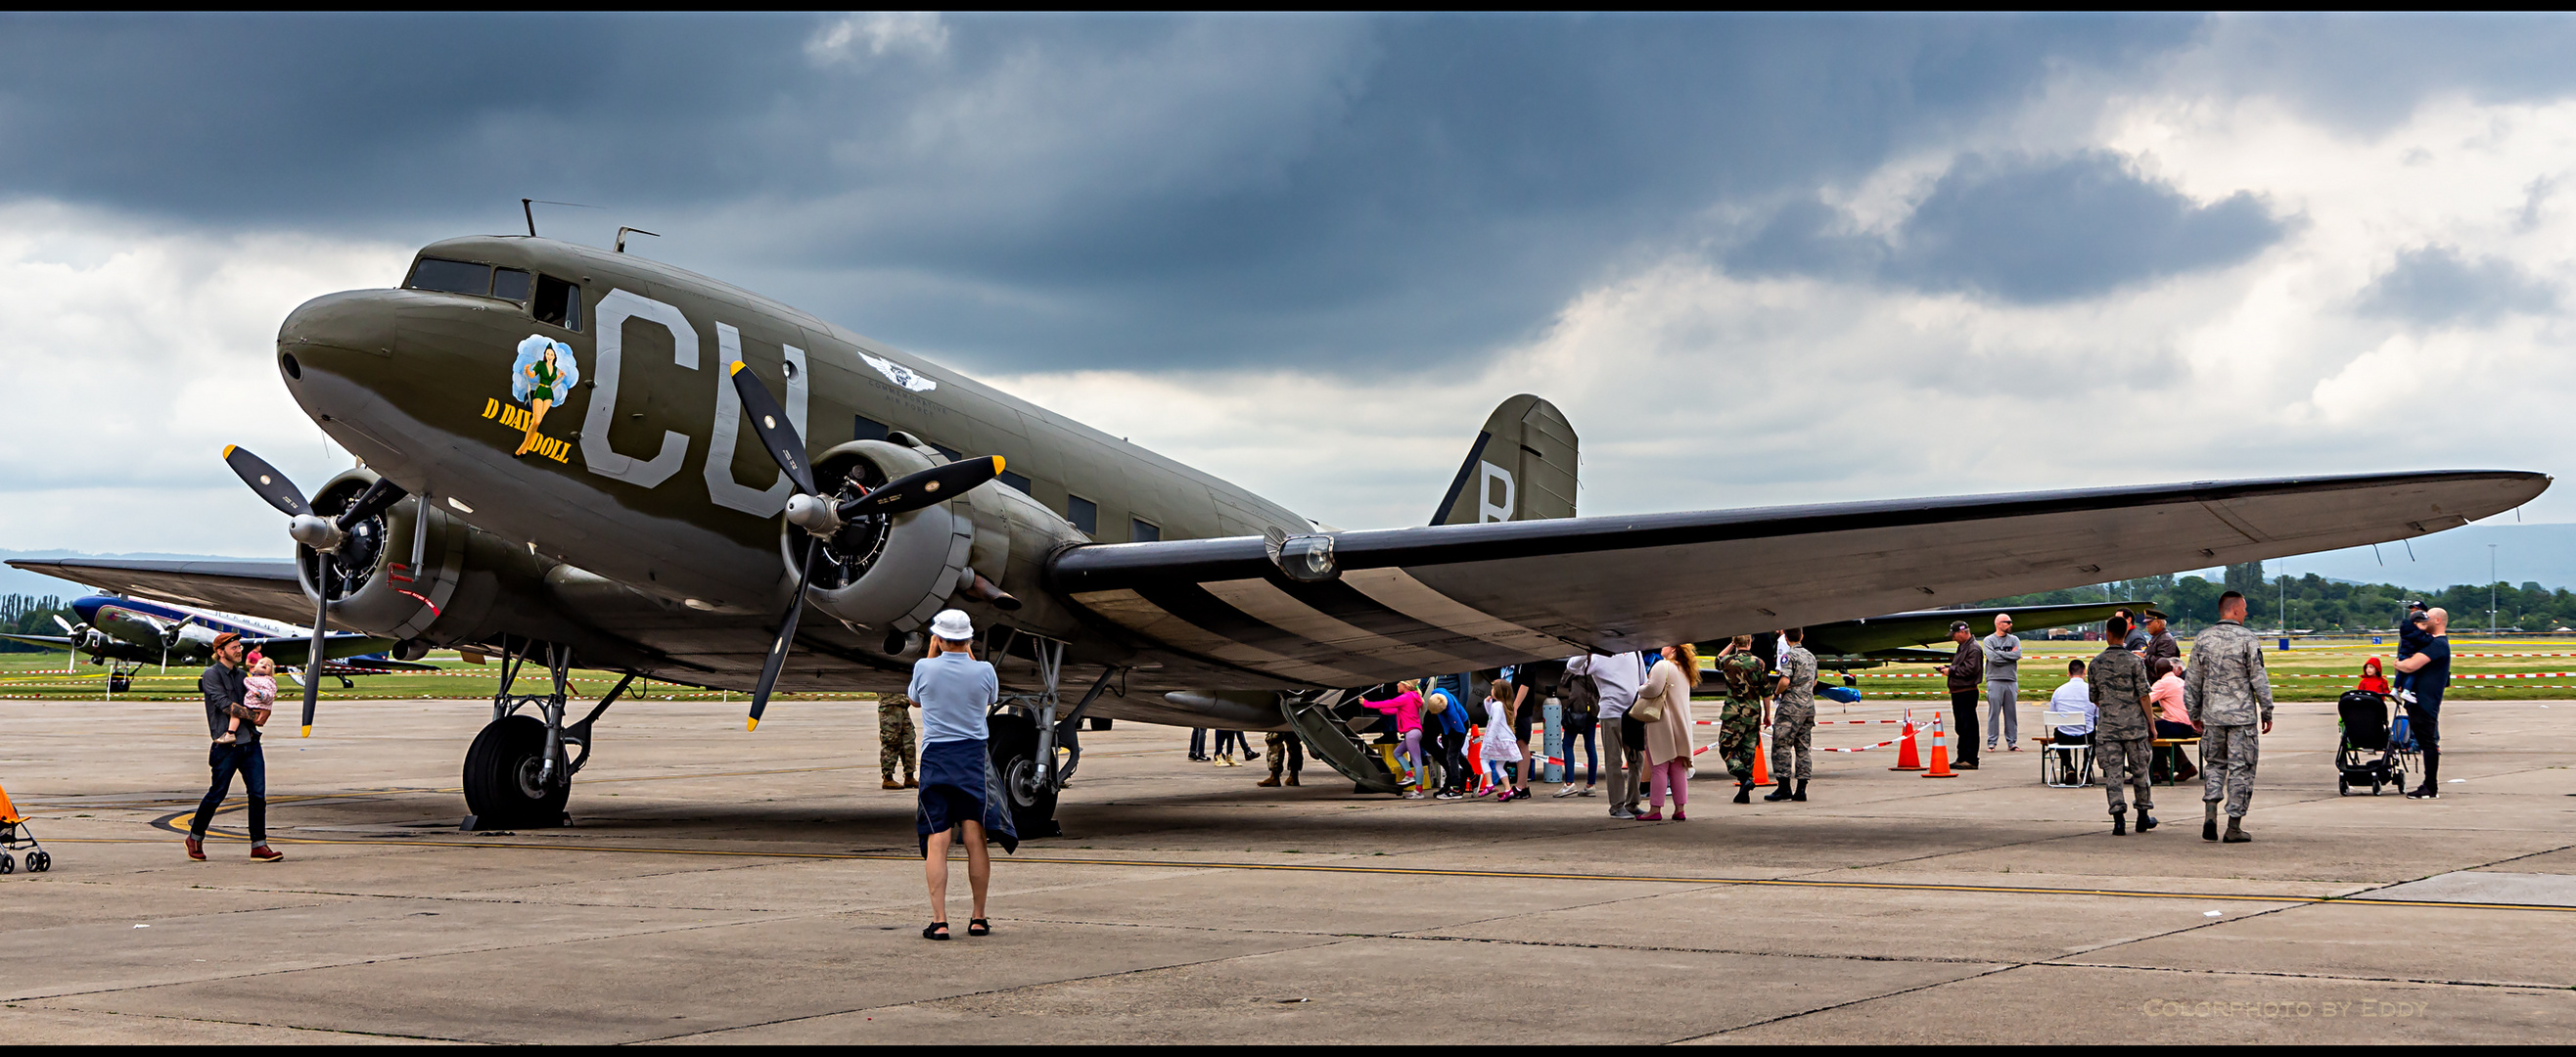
x=518 y=772
x=1034 y=749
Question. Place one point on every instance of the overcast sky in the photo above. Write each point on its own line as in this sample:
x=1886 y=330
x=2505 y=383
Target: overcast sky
x=1755 y=260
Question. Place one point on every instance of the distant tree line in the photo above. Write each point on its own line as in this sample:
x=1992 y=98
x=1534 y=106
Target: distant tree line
x=2318 y=603
x=31 y=615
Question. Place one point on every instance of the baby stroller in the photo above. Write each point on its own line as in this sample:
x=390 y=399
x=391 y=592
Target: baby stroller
x=14 y=837
x=2367 y=755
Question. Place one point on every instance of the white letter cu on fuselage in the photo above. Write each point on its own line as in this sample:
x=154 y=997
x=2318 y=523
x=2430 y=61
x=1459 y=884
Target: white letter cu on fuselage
x=1487 y=476
x=726 y=426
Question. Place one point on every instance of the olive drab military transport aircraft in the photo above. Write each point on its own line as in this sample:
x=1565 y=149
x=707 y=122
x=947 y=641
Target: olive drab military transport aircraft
x=574 y=455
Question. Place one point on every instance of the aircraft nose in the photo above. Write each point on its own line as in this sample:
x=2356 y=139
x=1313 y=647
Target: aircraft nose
x=334 y=325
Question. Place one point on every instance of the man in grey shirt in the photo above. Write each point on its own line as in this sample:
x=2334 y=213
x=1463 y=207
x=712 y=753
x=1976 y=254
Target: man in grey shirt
x=1618 y=675
x=221 y=685
x=2003 y=685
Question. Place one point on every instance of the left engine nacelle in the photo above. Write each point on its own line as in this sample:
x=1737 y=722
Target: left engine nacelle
x=462 y=576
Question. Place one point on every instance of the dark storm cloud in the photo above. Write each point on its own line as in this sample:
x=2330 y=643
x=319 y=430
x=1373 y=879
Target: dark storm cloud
x=2434 y=285
x=2021 y=229
x=1043 y=191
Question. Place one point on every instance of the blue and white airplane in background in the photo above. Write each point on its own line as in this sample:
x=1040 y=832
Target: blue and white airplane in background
x=128 y=633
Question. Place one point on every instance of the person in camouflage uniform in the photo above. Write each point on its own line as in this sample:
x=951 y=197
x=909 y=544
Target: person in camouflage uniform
x=895 y=738
x=1793 y=718
x=2123 y=727
x=1739 y=724
x=1284 y=751
x=2228 y=693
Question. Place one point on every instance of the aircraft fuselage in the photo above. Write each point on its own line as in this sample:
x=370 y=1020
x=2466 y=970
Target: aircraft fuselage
x=643 y=469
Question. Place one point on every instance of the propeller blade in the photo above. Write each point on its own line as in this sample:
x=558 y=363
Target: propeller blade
x=265 y=480
x=786 y=637
x=66 y=626
x=770 y=421
x=373 y=501
x=313 y=660
x=935 y=485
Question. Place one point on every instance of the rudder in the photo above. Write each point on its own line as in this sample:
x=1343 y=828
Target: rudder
x=1522 y=467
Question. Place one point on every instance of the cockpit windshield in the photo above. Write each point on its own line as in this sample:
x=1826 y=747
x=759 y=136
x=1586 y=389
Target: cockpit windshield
x=549 y=299
x=455 y=277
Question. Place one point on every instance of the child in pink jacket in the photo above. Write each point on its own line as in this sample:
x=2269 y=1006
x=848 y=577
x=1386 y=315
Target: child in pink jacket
x=1406 y=707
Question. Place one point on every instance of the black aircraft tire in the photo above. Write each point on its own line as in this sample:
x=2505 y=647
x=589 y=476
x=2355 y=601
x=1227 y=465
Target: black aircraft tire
x=1015 y=756
x=501 y=776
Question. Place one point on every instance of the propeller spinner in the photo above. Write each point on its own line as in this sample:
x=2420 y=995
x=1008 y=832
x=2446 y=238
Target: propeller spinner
x=821 y=516
x=313 y=530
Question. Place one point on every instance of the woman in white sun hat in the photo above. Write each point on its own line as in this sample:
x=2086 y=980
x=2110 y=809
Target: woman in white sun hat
x=961 y=795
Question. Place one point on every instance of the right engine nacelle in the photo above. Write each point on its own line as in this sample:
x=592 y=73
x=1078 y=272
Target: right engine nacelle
x=885 y=572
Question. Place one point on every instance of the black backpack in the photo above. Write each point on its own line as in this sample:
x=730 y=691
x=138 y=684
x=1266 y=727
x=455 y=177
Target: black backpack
x=1579 y=697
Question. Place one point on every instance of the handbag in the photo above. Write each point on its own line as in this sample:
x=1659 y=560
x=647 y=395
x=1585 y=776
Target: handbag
x=1647 y=710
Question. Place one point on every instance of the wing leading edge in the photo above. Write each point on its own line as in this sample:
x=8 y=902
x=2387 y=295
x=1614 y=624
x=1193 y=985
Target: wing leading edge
x=1454 y=597
x=257 y=588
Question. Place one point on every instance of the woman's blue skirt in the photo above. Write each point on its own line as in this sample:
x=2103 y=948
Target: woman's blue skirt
x=959 y=784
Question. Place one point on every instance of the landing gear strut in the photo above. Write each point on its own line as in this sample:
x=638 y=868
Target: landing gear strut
x=519 y=772
x=1034 y=749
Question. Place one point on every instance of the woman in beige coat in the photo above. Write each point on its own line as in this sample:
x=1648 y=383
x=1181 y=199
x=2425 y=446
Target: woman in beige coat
x=1668 y=739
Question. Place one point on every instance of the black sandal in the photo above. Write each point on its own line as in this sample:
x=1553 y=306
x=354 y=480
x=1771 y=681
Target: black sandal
x=979 y=927
x=938 y=930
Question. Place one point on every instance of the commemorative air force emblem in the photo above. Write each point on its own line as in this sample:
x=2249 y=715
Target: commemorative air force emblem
x=899 y=374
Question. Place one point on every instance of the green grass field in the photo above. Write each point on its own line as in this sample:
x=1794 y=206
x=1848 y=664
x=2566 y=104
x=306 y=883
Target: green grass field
x=33 y=676
x=2316 y=670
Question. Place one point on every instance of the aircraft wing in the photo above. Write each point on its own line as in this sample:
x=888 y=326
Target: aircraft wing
x=1448 y=598
x=51 y=642
x=257 y=588
x=1896 y=630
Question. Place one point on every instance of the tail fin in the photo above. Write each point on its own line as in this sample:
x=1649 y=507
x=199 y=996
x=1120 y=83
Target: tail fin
x=1521 y=468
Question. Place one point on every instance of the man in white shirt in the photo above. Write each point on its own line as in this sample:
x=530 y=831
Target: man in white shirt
x=1618 y=675
x=2076 y=696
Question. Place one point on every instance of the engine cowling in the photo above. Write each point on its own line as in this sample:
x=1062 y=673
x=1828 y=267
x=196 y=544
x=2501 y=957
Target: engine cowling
x=883 y=572
x=464 y=577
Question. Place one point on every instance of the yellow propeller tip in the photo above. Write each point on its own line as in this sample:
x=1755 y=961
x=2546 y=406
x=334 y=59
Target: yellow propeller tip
x=308 y=731
x=751 y=724
x=737 y=367
x=228 y=450
x=998 y=465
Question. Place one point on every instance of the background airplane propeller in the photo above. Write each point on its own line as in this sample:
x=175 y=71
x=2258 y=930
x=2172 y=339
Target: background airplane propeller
x=322 y=534
x=821 y=516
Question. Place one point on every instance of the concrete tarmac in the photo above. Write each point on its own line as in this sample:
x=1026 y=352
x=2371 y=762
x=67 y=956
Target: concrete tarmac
x=724 y=886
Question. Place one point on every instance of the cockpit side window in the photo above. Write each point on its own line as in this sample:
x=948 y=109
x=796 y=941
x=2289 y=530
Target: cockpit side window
x=558 y=302
x=455 y=277
x=510 y=284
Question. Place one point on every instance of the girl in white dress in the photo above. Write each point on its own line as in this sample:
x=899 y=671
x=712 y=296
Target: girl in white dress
x=1500 y=750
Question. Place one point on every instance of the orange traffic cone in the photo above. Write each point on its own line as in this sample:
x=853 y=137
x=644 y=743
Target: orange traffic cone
x=1907 y=758
x=1761 y=757
x=1940 y=751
